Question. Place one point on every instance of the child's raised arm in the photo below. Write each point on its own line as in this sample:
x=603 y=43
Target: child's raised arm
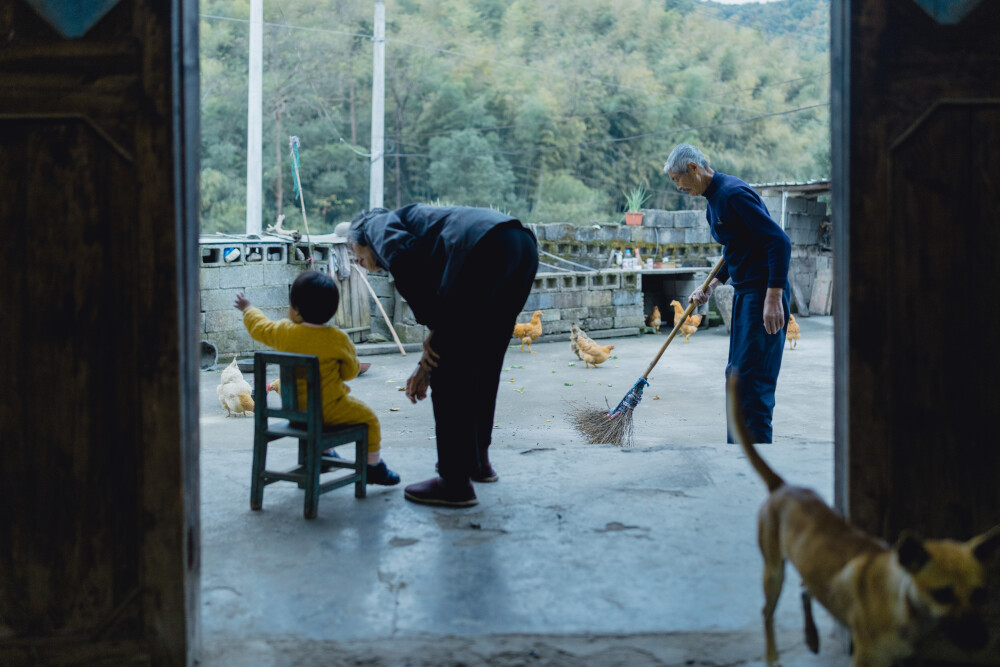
x=242 y=302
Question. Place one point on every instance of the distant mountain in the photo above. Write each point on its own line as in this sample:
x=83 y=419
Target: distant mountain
x=808 y=20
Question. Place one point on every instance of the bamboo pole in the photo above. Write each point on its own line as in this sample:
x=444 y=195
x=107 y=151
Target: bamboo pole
x=380 y=308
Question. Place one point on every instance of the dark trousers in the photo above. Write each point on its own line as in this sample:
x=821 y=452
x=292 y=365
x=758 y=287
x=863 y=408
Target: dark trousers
x=755 y=356
x=472 y=341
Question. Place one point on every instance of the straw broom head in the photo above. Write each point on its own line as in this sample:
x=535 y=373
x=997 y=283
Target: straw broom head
x=611 y=426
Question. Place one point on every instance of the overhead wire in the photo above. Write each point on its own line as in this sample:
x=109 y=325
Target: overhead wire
x=611 y=140
x=504 y=63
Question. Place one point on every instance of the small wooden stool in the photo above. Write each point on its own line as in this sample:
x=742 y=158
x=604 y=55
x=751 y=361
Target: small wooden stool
x=307 y=426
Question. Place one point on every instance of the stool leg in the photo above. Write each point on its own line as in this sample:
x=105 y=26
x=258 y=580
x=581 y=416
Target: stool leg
x=257 y=471
x=311 y=509
x=361 y=467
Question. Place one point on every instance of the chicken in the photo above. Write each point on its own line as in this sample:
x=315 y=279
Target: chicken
x=690 y=324
x=592 y=353
x=529 y=332
x=793 y=333
x=234 y=391
x=576 y=334
x=653 y=319
x=274 y=386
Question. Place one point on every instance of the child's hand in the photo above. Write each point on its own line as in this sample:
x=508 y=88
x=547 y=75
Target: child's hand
x=242 y=302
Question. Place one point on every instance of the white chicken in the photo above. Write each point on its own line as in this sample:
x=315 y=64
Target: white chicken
x=234 y=392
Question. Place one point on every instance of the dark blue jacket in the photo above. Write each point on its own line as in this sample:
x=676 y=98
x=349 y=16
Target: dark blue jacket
x=757 y=251
x=425 y=247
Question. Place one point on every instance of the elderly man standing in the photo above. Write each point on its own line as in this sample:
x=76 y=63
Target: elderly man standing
x=756 y=253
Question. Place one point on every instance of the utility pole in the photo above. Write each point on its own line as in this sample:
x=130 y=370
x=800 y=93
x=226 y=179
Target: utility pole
x=255 y=178
x=378 y=109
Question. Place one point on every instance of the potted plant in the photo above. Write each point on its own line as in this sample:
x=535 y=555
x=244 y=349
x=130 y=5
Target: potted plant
x=634 y=199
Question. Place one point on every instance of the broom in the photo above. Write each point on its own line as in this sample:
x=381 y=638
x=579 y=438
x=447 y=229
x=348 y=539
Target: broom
x=615 y=426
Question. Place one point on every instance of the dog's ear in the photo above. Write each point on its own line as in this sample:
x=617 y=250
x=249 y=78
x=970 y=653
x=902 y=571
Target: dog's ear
x=986 y=546
x=911 y=552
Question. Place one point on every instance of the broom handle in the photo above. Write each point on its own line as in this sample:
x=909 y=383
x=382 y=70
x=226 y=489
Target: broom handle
x=690 y=308
x=380 y=309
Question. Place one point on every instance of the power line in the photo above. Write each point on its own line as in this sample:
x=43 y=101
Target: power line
x=288 y=25
x=602 y=82
x=621 y=139
x=606 y=113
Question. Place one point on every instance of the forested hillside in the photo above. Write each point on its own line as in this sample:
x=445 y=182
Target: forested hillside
x=548 y=109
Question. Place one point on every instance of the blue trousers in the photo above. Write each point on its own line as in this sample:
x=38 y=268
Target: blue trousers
x=755 y=356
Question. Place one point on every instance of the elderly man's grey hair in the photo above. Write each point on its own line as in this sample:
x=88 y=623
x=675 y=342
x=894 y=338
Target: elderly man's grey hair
x=356 y=232
x=681 y=156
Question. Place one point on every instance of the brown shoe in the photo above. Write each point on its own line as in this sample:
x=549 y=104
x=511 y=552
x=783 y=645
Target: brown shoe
x=484 y=475
x=438 y=492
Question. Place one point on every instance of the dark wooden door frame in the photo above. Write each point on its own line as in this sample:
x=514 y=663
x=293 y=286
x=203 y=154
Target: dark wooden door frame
x=99 y=138
x=840 y=177
x=187 y=168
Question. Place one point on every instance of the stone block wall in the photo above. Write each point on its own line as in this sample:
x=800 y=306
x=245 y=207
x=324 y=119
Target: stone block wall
x=264 y=272
x=595 y=301
x=606 y=300
x=681 y=235
x=811 y=261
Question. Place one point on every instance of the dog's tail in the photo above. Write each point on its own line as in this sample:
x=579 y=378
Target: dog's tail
x=738 y=424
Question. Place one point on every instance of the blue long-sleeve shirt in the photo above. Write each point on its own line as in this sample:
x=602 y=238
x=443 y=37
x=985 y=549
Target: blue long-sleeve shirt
x=757 y=251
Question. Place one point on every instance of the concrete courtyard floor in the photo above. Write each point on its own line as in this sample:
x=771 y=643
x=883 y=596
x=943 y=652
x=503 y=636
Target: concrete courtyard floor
x=580 y=555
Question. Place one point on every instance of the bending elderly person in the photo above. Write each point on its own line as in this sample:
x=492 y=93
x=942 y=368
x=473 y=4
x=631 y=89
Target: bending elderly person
x=466 y=274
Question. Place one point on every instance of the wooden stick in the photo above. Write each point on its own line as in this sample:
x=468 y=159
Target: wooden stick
x=687 y=312
x=380 y=308
x=302 y=203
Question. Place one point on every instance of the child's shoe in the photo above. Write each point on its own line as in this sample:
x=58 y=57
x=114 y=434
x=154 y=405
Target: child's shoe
x=380 y=474
x=329 y=454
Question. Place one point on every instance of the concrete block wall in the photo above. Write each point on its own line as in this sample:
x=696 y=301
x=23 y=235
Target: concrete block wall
x=385 y=290
x=803 y=217
x=684 y=236
x=264 y=272
x=598 y=301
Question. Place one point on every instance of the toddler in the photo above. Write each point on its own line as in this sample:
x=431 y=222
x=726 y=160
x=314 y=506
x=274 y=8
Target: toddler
x=314 y=300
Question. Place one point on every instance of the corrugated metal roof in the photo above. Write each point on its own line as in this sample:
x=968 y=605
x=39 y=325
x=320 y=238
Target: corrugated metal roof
x=816 y=187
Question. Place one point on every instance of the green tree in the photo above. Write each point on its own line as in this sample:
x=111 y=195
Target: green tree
x=465 y=169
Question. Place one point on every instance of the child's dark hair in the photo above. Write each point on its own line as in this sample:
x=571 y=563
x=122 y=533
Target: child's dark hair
x=315 y=295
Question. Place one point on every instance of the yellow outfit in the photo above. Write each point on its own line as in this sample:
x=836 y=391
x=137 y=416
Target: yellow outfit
x=338 y=361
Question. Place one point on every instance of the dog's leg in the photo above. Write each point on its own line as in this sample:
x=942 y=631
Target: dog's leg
x=863 y=657
x=774 y=575
x=774 y=579
x=812 y=636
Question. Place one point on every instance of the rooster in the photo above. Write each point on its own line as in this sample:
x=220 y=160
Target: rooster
x=794 y=333
x=653 y=319
x=690 y=324
x=234 y=391
x=592 y=353
x=529 y=332
x=576 y=335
